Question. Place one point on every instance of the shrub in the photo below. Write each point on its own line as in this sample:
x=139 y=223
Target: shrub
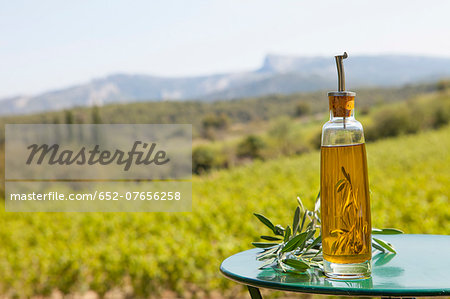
x=302 y=109
x=364 y=110
x=212 y=123
x=440 y=112
x=390 y=122
x=218 y=122
x=251 y=147
x=443 y=85
x=441 y=118
x=316 y=140
x=202 y=159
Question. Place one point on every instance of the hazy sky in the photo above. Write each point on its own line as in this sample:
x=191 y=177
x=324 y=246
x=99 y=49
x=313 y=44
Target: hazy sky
x=52 y=44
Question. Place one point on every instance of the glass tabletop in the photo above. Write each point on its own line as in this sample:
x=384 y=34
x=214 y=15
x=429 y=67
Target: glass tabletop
x=421 y=267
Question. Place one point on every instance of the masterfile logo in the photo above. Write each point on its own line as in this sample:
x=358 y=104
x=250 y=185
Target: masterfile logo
x=98 y=167
x=95 y=155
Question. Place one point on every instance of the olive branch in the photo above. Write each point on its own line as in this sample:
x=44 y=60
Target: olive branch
x=296 y=249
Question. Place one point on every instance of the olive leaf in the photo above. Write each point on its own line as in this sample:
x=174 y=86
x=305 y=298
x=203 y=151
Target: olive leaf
x=303 y=221
x=293 y=243
x=278 y=230
x=309 y=235
x=264 y=220
x=287 y=234
x=296 y=221
x=313 y=243
x=267 y=252
x=378 y=247
x=270 y=238
x=267 y=263
x=385 y=245
x=383 y=258
x=300 y=203
x=386 y=231
x=263 y=244
x=296 y=264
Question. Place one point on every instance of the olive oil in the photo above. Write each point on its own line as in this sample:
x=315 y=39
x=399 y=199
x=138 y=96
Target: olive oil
x=344 y=199
x=346 y=223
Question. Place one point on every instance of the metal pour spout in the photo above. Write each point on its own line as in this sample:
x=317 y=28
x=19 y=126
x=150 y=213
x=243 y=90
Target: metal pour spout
x=340 y=70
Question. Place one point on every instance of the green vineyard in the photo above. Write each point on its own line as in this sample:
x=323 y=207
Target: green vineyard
x=147 y=253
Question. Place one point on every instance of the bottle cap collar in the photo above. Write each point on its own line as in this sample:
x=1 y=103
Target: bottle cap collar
x=341 y=94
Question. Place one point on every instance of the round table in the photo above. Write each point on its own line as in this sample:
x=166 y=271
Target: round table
x=421 y=267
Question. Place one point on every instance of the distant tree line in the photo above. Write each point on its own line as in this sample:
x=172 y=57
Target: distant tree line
x=390 y=120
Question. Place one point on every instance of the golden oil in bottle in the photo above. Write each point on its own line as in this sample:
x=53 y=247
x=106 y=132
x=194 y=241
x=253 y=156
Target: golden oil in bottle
x=345 y=201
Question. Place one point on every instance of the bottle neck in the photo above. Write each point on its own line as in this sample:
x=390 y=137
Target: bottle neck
x=336 y=118
x=343 y=128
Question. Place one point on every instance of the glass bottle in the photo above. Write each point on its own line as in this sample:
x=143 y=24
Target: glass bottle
x=345 y=203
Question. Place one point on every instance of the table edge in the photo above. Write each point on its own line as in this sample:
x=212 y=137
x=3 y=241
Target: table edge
x=327 y=291
x=320 y=290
